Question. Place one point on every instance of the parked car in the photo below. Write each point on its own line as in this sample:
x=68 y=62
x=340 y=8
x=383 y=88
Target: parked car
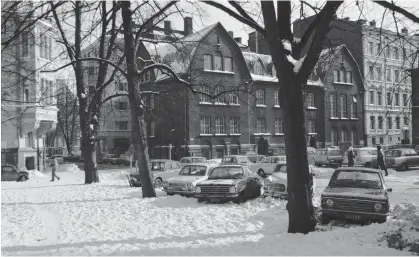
x=329 y=157
x=255 y=157
x=215 y=161
x=230 y=183
x=236 y=159
x=364 y=156
x=401 y=159
x=184 y=183
x=355 y=193
x=276 y=184
x=192 y=159
x=161 y=169
x=11 y=173
x=268 y=164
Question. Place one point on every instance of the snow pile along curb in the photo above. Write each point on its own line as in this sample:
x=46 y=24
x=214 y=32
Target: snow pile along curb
x=35 y=173
x=69 y=168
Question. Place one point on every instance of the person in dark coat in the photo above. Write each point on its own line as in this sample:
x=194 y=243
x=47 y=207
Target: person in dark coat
x=381 y=159
x=54 y=165
x=350 y=157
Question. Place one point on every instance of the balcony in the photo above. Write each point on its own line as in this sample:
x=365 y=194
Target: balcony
x=40 y=118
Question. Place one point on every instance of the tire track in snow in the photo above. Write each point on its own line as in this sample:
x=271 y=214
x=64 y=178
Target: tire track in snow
x=49 y=221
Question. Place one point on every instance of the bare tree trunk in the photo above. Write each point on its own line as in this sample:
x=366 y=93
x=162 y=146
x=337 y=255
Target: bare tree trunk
x=137 y=109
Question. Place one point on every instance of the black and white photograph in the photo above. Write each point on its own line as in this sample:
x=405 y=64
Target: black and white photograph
x=210 y=128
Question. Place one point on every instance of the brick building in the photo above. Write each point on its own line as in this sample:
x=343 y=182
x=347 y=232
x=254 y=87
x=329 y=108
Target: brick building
x=383 y=57
x=415 y=106
x=343 y=96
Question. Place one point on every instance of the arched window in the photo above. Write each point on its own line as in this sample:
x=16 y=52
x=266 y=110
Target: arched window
x=334 y=136
x=257 y=68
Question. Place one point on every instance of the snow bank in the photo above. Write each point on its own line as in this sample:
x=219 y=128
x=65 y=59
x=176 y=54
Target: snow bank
x=69 y=168
x=407 y=212
x=35 y=173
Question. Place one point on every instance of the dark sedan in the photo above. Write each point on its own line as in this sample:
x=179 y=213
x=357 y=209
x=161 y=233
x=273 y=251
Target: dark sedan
x=355 y=193
x=10 y=173
x=235 y=183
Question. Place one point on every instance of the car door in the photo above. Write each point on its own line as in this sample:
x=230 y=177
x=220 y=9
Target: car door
x=5 y=173
x=413 y=157
x=11 y=173
x=265 y=162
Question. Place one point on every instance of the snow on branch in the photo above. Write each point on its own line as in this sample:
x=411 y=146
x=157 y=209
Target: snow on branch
x=287 y=45
x=297 y=63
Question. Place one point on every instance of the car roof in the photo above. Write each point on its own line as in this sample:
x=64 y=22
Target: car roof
x=235 y=156
x=232 y=165
x=162 y=160
x=199 y=164
x=358 y=169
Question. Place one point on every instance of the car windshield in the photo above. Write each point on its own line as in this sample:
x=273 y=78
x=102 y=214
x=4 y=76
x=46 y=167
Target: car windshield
x=196 y=160
x=193 y=171
x=362 y=179
x=276 y=159
x=283 y=169
x=226 y=173
x=393 y=153
x=158 y=166
x=334 y=152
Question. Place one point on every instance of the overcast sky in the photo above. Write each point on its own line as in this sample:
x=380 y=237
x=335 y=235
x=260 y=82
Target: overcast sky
x=349 y=9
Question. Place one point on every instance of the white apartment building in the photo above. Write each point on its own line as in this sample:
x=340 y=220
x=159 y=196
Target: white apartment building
x=28 y=108
x=387 y=58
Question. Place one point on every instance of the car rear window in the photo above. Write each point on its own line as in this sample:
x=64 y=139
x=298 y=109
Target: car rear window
x=158 y=166
x=279 y=159
x=226 y=173
x=393 y=153
x=196 y=160
x=192 y=170
x=334 y=152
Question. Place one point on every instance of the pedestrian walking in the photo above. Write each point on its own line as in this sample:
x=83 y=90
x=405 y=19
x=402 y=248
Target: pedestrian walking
x=351 y=157
x=54 y=165
x=381 y=159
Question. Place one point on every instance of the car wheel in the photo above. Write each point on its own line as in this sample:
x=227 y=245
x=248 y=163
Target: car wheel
x=158 y=183
x=22 y=179
x=261 y=173
x=405 y=167
x=324 y=219
x=240 y=198
x=201 y=200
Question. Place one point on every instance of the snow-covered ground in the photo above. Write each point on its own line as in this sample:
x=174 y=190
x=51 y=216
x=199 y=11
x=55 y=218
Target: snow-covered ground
x=66 y=217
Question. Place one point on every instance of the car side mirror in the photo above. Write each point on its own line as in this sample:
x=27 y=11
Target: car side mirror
x=389 y=189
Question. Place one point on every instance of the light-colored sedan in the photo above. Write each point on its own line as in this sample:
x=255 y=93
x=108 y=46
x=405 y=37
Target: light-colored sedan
x=401 y=159
x=11 y=173
x=192 y=159
x=161 y=169
x=276 y=184
x=268 y=164
x=184 y=183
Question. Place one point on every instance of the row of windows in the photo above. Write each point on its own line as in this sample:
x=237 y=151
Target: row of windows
x=123 y=126
x=45 y=46
x=344 y=136
x=390 y=52
x=261 y=100
x=342 y=76
x=221 y=96
x=47 y=92
x=389 y=122
x=216 y=63
x=379 y=97
x=220 y=125
x=374 y=140
x=344 y=111
x=375 y=73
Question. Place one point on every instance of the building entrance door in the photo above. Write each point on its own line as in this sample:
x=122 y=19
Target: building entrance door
x=30 y=163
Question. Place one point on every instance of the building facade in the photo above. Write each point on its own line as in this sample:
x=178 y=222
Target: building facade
x=415 y=106
x=384 y=57
x=28 y=95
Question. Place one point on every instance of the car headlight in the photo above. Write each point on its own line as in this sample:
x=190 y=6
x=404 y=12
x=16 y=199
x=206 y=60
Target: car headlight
x=378 y=206
x=267 y=182
x=329 y=202
x=232 y=189
x=189 y=185
x=197 y=190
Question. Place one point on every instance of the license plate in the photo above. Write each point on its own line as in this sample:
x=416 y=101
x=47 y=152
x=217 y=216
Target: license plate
x=351 y=216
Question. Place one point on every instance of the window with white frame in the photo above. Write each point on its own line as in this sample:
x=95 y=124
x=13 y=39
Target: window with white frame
x=278 y=126
x=372 y=122
x=25 y=91
x=25 y=44
x=260 y=125
x=311 y=126
x=388 y=75
x=343 y=106
x=152 y=132
x=336 y=76
x=372 y=97
x=406 y=121
x=396 y=53
x=233 y=99
x=310 y=99
x=342 y=76
x=219 y=125
x=122 y=106
x=389 y=123
x=404 y=99
x=370 y=48
x=371 y=72
x=333 y=109
x=378 y=73
x=260 y=97
x=388 y=98
x=397 y=99
x=218 y=63
x=334 y=136
x=388 y=52
x=276 y=98
x=234 y=125
x=257 y=68
x=228 y=64
x=354 y=136
x=204 y=97
x=220 y=92
x=397 y=122
x=29 y=140
x=205 y=125
x=344 y=135
x=121 y=125
x=122 y=86
x=378 y=50
x=354 y=111
x=207 y=62
x=379 y=98
x=396 y=76
x=349 y=77
x=380 y=122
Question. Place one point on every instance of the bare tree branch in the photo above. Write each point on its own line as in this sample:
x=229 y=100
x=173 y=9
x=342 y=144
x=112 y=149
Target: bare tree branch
x=398 y=9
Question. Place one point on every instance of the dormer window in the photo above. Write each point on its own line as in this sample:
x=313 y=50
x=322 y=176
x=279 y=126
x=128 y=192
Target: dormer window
x=257 y=68
x=273 y=71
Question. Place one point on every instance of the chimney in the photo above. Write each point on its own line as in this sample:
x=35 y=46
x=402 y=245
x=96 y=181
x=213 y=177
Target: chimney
x=238 y=39
x=346 y=18
x=187 y=26
x=231 y=34
x=404 y=30
x=361 y=21
x=372 y=23
x=167 y=27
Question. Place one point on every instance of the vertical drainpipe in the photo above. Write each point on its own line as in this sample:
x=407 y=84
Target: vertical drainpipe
x=37 y=148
